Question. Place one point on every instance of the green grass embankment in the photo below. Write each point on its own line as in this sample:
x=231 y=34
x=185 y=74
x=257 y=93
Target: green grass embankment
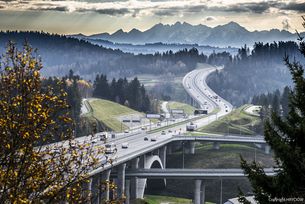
x=236 y=122
x=188 y=109
x=108 y=113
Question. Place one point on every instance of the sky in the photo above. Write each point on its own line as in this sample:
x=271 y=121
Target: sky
x=98 y=16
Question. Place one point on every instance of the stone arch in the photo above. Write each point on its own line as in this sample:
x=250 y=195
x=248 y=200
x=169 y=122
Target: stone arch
x=151 y=161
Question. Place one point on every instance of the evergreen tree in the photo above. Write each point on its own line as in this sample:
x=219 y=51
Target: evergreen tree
x=284 y=100
x=275 y=104
x=287 y=139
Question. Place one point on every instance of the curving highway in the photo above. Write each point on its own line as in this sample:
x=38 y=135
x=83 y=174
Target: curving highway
x=140 y=142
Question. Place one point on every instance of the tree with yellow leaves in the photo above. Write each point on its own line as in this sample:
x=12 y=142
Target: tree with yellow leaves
x=33 y=169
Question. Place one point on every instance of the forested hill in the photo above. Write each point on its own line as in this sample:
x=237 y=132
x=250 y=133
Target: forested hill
x=252 y=73
x=60 y=54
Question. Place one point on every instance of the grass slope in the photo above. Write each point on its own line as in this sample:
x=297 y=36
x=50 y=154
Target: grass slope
x=106 y=112
x=238 y=121
x=153 y=199
x=177 y=105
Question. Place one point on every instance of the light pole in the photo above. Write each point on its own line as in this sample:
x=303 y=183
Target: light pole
x=220 y=190
x=254 y=152
x=182 y=155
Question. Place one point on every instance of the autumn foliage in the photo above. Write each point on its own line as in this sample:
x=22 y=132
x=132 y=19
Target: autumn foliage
x=33 y=169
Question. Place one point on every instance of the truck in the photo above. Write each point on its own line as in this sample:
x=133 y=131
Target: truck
x=110 y=148
x=200 y=111
x=102 y=136
x=191 y=127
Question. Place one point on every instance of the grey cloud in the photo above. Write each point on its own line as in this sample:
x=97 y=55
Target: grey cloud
x=56 y=8
x=210 y=18
x=110 y=12
x=286 y=24
x=165 y=12
x=298 y=7
x=247 y=7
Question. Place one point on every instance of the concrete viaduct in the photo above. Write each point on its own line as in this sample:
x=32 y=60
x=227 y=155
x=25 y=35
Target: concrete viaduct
x=130 y=173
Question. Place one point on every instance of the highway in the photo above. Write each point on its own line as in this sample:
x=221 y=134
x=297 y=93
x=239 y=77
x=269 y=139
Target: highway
x=195 y=85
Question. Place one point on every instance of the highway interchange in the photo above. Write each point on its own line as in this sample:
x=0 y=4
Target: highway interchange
x=195 y=85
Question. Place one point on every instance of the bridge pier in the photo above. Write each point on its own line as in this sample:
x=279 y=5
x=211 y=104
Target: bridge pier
x=87 y=188
x=189 y=147
x=134 y=181
x=216 y=145
x=267 y=149
x=127 y=190
x=202 y=198
x=121 y=181
x=162 y=155
x=197 y=192
x=104 y=194
x=169 y=149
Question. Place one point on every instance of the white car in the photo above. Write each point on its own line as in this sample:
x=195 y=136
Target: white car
x=125 y=145
x=126 y=131
x=153 y=138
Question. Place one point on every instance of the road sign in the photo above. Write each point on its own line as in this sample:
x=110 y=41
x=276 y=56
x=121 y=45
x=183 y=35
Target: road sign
x=153 y=116
x=177 y=111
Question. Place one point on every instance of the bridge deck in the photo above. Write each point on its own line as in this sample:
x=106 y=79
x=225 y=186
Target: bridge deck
x=191 y=173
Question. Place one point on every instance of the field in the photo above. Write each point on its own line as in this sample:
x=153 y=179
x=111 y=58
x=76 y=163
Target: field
x=228 y=156
x=155 y=199
x=172 y=84
x=107 y=113
x=236 y=122
x=188 y=109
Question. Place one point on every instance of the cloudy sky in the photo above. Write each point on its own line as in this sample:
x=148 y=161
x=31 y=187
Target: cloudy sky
x=96 y=16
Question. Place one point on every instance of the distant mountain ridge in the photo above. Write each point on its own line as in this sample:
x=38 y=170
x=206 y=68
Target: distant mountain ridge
x=231 y=34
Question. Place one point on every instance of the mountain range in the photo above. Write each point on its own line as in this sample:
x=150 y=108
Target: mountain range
x=231 y=34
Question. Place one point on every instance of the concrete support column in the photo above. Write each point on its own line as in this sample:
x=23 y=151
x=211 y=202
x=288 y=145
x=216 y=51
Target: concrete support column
x=127 y=192
x=97 y=190
x=216 y=145
x=202 y=199
x=192 y=146
x=169 y=149
x=134 y=181
x=267 y=149
x=105 y=179
x=87 y=189
x=189 y=147
x=197 y=192
x=142 y=161
x=162 y=155
x=121 y=180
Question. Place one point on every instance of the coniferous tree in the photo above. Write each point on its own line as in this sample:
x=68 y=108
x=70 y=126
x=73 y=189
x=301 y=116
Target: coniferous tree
x=286 y=137
x=284 y=100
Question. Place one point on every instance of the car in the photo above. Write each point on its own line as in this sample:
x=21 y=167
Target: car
x=153 y=138
x=158 y=124
x=145 y=138
x=126 y=131
x=163 y=132
x=170 y=131
x=143 y=128
x=125 y=145
x=110 y=148
x=226 y=110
